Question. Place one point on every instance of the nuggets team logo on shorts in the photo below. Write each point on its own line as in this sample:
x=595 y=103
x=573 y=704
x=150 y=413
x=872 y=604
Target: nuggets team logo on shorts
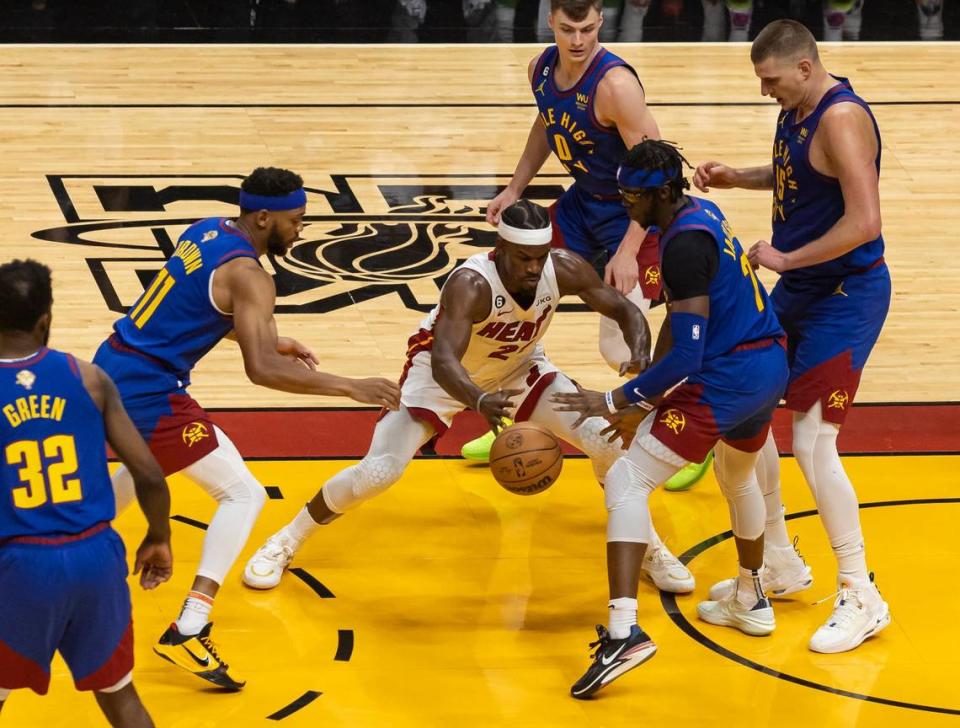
x=194 y=433
x=651 y=276
x=26 y=378
x=838 y=399
x=674 y=420
x=366 y=235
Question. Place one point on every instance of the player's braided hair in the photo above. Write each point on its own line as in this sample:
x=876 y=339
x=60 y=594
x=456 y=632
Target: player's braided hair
x=526 y=215
x=25 y=294
x=270 y=182
x=656 y=154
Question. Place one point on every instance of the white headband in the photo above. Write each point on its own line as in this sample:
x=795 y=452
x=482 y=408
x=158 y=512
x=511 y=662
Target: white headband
x=517 y=236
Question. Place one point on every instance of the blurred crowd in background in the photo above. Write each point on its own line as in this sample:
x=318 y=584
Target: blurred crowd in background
x=424 y=21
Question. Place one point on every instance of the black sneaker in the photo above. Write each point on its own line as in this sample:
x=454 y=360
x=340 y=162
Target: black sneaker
x=197 y=655
x=612 y=659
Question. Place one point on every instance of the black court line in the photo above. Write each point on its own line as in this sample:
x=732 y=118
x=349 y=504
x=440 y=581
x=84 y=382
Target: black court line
x=344 y=645
x=190 y=522
x=448 y=105
x=311 y=581
x=669 y=602
x=301 y=702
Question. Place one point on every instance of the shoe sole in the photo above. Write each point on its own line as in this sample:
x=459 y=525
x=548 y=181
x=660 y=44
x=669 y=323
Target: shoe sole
x=259 y=587
x=748 y=628
x=645 y=652
x=719 y=595
x=221 y=680
x=881 y=624
x=673 y=590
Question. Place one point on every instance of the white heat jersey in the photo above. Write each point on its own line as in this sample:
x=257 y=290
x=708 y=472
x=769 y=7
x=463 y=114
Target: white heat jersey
x=509 y=337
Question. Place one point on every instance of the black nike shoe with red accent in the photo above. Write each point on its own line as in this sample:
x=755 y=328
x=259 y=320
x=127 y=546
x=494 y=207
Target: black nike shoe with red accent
x=197 y=655
x=612 y=659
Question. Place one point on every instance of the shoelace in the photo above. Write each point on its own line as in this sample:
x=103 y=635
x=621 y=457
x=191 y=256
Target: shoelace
x=212 y=649
x=273 y=549
x=603 y=638
x=662 y=558
x=796 y=548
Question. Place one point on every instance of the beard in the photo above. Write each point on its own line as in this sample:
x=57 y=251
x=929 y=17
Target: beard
x=276 y=245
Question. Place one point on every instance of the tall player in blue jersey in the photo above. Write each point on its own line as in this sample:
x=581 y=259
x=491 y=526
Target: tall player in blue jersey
x=213 y=287
x=832 y=298
x=62 y=567
x=728 y=364
x=591 y=109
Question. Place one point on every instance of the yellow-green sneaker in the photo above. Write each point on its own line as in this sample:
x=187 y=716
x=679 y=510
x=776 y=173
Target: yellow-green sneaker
x=479 y=450
x=689 y=475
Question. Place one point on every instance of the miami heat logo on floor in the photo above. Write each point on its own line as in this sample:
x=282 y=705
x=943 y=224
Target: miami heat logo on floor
x=366 y=235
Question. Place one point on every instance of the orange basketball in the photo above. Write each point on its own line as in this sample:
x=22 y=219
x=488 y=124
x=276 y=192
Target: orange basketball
x=525 y=458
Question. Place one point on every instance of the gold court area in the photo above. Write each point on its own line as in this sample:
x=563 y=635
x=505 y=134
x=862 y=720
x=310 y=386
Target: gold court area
x=449 y=601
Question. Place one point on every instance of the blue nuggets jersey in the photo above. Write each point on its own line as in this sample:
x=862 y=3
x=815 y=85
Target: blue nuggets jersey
x=740 y=310
x=175 y=320
x=53 y=470
x=806 y=204
x=588 y=150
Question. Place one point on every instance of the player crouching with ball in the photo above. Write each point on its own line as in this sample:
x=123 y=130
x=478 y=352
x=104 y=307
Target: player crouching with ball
x=481 y=348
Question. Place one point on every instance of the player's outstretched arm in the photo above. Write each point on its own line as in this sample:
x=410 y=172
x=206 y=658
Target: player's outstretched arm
x=577 y=278
x=253 y=296
x=154 y=560
x=535 y=153
x=464 y=301
x=723 y=177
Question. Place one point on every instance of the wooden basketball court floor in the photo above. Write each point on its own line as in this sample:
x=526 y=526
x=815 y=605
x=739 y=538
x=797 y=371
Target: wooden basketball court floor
x=448 y=600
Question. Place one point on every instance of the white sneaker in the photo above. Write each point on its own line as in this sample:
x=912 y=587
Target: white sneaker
x=784 y=572
x=858 y=613
x=757 y=620
x=265 y=568
x=666 y=572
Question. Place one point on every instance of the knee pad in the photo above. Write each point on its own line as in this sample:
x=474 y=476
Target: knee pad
x=368 y=478
x=602 y=453
x=625 y=482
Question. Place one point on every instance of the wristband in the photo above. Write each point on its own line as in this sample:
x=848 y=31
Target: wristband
x=608 y=398
x=479 y=400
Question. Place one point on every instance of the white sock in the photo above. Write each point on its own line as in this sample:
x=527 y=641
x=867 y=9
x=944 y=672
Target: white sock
x=851 y=560
x=623 y=615
x=300 y=528
x=749 y=591
x=195 y=613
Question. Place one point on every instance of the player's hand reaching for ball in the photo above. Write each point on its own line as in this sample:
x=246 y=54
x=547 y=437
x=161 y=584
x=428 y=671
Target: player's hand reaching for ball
x=375 y=390
x=500 y=203
x=714 y=174
x=587 y=402
x=154 y=562
x=496 y=406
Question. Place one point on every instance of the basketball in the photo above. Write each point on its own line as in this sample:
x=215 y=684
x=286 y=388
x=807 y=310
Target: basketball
x=525 y=458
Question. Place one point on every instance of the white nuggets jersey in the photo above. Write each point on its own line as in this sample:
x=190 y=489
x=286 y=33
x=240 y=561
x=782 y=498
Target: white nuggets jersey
x=509 y=338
